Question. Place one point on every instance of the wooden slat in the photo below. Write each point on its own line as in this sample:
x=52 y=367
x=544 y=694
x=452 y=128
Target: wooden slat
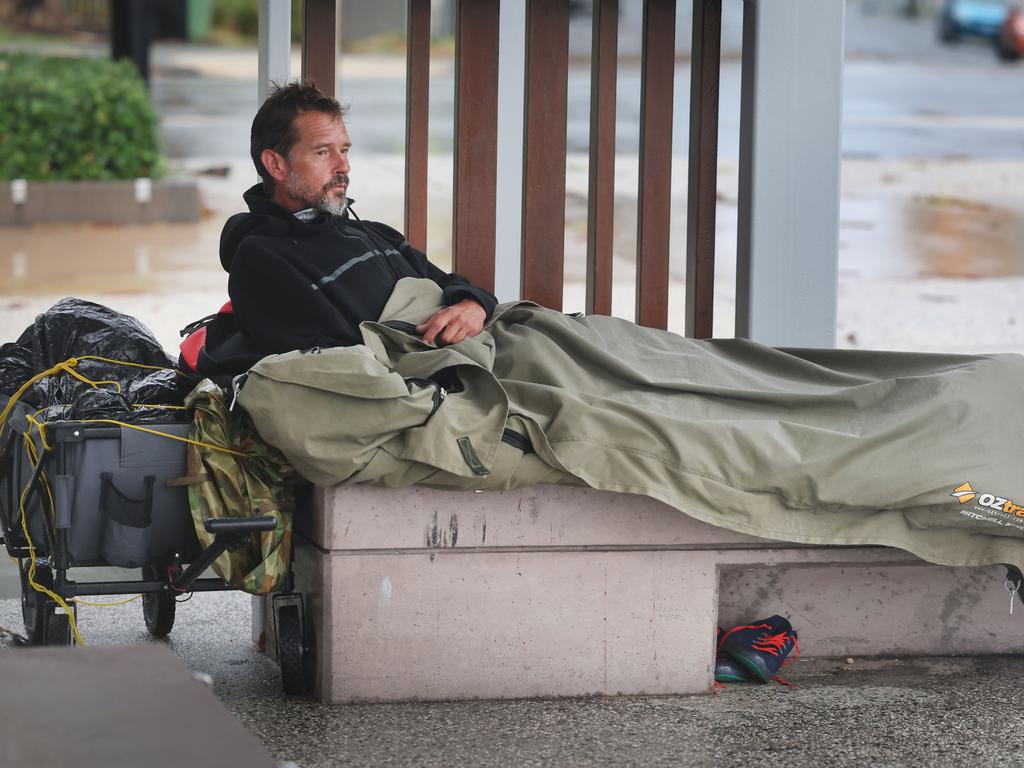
x=547 y=83
x=417 y=106
x=703 y=168
x=476 y=140
x=601 y=194
x=319 y=43
x=653 y=215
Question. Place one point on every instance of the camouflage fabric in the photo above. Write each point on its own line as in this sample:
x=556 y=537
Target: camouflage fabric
x=227 y=485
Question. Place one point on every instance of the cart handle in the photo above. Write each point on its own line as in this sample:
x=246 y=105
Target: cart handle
x=217 y=525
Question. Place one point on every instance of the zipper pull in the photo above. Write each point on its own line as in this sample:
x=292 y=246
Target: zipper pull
x=1013 y=587
x=236 y=386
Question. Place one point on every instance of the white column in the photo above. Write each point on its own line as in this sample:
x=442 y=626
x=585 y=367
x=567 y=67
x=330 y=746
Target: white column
x=789 y=172
x=275 y=45
x=275 y=63
x=509 y=196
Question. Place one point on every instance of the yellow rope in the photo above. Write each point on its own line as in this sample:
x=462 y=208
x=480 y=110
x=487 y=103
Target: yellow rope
x=24 y=387
x=80 y=601
x=41 y=427
x=34 y=460
x=68 y=367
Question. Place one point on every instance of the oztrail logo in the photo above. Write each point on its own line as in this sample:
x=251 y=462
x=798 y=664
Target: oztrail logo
x=966 y=493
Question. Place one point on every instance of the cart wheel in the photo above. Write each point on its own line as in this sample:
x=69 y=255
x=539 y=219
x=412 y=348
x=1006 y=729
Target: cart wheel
x=157 y=607
x=58 y=629
x=36 y=608
x=289 y=649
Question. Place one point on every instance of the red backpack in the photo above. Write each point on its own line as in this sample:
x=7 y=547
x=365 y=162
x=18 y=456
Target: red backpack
x=214 y=348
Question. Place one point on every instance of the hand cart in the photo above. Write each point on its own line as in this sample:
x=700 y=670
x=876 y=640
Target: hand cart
x=85 y=494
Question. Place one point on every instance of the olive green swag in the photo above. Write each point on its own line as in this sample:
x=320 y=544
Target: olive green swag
x=815 y=446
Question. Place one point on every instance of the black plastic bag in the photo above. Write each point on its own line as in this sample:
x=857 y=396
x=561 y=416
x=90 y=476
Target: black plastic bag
x=74 y=328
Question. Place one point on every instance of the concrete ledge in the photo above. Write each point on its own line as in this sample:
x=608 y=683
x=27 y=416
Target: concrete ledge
x=363 y=517
x=567 y=591
x=104 y=202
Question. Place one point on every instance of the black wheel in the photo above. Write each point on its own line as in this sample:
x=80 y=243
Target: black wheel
x=58 y=630
x=157 y=607
x=36 y=608
x=289 y=649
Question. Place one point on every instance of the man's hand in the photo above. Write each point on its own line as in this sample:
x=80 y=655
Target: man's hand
x=454 y=324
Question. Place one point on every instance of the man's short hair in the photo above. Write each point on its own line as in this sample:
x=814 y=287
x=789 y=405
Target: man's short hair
x=274 y=124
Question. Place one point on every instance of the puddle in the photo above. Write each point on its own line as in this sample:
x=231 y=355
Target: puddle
x=83 y=259
x=931 y=236
x=952 y=237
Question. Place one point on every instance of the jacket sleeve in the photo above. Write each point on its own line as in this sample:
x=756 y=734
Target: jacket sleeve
x=454 y=287
x=275 y=307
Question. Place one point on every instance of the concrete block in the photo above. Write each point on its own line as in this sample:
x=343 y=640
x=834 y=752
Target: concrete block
x=566 y=591
x=103 y=202
x=510 y=625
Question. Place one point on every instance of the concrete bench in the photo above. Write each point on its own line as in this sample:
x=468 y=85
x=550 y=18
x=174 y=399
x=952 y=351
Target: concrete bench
x=567 y=591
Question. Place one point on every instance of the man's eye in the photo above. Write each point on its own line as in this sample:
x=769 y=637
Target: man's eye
x=321 y=152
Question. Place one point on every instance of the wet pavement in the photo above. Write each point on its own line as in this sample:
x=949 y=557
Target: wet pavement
x=839 y=712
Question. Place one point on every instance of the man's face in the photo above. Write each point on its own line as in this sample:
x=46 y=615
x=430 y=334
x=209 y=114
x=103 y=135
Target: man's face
x=317 y=166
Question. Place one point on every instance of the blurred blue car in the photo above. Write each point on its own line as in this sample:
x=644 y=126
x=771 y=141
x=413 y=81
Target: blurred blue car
x=972 y=18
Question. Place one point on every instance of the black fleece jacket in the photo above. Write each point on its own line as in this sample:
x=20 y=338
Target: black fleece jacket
x=299 y=284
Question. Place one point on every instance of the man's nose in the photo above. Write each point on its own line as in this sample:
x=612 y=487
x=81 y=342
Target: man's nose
x=341 y=163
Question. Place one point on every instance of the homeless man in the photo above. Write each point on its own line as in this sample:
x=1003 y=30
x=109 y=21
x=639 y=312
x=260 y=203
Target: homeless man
x=304 y=270
x=831 y=447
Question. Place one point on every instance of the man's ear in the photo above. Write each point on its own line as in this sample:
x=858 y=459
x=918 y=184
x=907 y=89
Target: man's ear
x=275 y=164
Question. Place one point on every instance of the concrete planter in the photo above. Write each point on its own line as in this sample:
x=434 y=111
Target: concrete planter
x=138 y=201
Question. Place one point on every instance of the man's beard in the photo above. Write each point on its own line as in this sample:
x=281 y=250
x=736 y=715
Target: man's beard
x=320 y=199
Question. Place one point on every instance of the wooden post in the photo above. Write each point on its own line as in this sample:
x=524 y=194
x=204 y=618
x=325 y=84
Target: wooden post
x=417 y=107
x=601 y=193
x=702 y=196
x=654 y=213
x=476 y=142
x=319 y=43
x=547 y=73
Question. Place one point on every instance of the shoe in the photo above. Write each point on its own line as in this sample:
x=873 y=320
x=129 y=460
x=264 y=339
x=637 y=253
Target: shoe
x=760 y=648
x=726 y=669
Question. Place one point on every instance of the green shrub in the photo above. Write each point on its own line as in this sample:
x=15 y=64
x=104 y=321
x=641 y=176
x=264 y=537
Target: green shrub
x=75 y=119
x=241 y=18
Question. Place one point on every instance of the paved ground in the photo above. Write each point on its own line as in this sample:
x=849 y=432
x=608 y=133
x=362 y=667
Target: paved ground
x=885 y=712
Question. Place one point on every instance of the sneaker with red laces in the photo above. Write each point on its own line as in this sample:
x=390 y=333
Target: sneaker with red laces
x=762 y=647
x=727 y=670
